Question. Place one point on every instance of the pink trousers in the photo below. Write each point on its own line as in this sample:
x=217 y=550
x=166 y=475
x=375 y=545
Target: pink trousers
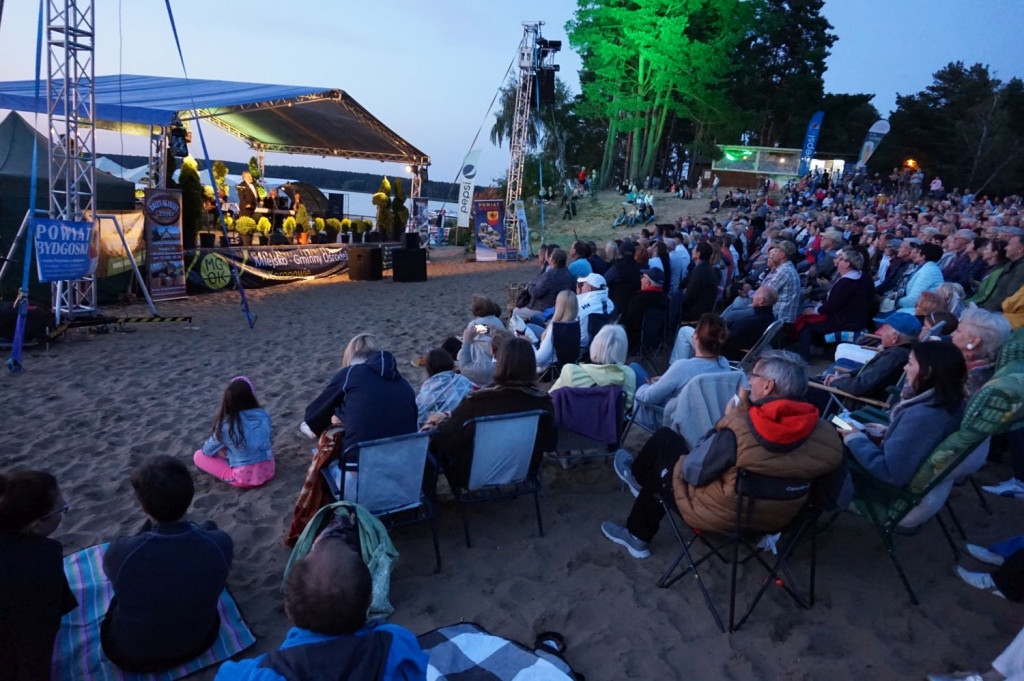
x=243 y=476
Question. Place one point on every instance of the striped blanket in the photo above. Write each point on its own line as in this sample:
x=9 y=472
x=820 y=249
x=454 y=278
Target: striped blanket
x=78 y=655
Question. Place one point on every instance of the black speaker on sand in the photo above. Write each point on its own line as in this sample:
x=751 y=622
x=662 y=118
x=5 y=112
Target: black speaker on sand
x=412 y=239
x=409 y=264
x=365 y=263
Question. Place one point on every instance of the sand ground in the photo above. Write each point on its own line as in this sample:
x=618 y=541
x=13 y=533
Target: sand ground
x=100 y=403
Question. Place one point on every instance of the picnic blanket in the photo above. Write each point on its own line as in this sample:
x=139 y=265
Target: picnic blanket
x=466 y=652
x=78 y=655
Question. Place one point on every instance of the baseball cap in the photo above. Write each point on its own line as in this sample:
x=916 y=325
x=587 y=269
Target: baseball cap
x=903 y=322
x=656 y=276
x=594 y=279
x=628 y=249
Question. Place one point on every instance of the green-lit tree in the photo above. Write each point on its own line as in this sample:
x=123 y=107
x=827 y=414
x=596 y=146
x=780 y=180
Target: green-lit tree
x=648 y=60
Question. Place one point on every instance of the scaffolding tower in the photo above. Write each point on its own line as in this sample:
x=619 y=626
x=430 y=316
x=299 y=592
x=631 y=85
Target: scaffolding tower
x=520 y=125
x=70 y=39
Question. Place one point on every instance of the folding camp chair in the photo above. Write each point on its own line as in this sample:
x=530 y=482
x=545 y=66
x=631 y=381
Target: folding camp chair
x=389 y=481
x=502 y=452
x=589 y=420
x=595 y=322
x=997 y=407
x=762 y=344
x=566 y=341
x=653 y=328
x=750 y=488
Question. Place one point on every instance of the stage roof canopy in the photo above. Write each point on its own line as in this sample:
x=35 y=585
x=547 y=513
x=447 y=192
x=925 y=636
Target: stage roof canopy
x=281 y=118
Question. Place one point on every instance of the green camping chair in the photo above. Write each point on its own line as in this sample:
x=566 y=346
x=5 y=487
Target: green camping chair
x=997 y=408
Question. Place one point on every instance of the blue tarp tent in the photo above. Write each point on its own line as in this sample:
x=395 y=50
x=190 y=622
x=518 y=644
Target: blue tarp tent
x=280 y=118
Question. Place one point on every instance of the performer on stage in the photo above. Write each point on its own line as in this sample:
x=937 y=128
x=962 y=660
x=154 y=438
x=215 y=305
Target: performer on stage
x=277 y=205
x=248 y=196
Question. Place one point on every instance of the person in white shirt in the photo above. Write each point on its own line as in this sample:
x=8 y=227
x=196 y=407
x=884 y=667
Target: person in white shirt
x=592 y=296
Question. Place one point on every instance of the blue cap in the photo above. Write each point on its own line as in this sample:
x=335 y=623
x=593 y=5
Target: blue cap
x=904 y=322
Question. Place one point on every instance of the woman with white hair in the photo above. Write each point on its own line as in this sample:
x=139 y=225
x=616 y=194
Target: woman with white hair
x=979 y=336
x=608 y=366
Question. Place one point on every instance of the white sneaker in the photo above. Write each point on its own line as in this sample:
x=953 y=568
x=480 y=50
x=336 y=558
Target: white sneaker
x=307 y=431
x=1009 y=488
x=979 y=580
x=984 y=555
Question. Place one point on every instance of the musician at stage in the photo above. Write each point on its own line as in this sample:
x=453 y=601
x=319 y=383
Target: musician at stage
x=248 y=195
x=278 y=207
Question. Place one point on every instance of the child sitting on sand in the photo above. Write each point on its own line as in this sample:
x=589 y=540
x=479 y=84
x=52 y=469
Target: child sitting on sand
x=34 y=591
x=167 y=579
x=238 y=452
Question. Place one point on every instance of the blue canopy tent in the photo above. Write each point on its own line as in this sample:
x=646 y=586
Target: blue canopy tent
x=277 y=118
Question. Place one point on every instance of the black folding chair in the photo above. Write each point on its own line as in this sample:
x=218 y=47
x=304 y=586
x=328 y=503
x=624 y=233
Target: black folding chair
x=652 y=337
x=566 y=339
x=595 y=322
x=751 y=488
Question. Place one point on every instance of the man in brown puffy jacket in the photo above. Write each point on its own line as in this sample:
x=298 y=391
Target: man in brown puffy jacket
x=778 y=435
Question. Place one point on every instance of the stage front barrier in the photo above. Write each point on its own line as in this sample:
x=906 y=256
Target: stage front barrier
x=209 y=269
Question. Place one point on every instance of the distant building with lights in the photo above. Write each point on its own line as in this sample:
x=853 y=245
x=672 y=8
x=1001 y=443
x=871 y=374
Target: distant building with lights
x=747 y=167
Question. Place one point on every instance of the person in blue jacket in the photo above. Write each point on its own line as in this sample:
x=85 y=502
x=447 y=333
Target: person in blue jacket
x=326 y=598
x=368 y=396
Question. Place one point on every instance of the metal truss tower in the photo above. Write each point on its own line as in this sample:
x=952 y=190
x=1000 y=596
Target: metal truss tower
x=70 y=39
x=520 y=125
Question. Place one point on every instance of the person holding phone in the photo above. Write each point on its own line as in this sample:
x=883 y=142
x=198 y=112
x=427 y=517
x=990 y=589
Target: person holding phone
x=930 y=409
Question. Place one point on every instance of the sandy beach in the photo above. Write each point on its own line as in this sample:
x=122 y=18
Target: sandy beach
x=102 y=402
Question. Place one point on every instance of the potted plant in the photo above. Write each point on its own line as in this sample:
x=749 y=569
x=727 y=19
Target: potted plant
x=263 y=227
x=288 y=226
x=245 y=227
x=318 y=229
x=302 y=224
x=346 y=229
x=333 y=228
x=229 y=225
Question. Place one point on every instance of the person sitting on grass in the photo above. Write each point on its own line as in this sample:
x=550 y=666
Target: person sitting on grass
x=326 y=598
x=167 y=579
x=777 y=434
x=443 y=389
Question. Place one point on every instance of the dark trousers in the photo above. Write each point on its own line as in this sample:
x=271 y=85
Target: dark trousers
x=1009 y=577
x=653 y=468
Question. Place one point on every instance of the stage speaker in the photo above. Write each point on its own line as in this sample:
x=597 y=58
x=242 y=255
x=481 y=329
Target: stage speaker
x=547 y=85
x=365 y=263
x=336 y=206
x=412 y=239
x=409 y=264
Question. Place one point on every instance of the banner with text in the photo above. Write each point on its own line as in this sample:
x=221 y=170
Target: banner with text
x=466 y=182
x=871 y=141
x=210 y=269
x=164 y=257
x=65 y=250
x=490 y=228
x=810 y=143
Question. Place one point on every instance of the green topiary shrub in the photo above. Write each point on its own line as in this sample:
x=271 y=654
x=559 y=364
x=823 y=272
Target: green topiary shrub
x=263 y=226
x=288 y=226
x=245 y=225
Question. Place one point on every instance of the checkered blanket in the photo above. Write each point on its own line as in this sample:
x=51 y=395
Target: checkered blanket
x=465 y=652
x=78 y=655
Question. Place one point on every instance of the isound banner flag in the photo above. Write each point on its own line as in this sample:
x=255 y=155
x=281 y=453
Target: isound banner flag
x=467 y=180
x=875 y=134
x=810 y=142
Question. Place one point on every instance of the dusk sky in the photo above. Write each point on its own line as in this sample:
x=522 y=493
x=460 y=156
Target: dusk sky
x=429 y=69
